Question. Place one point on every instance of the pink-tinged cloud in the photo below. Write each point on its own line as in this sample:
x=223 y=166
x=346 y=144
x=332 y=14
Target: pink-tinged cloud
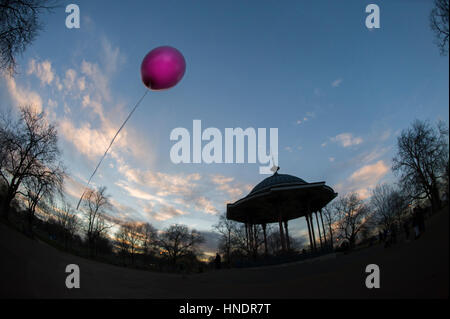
x=23 y=97
x=370 y=173
x=205 y=205
x=347 y=139
x=163 y=213
x=43 y=71
x=363 y=180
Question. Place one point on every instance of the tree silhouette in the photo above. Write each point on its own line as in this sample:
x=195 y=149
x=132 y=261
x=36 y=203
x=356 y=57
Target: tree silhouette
x=439 y=24
x=95 y=204
x=178 y=241
x=351 y=213
x=388 y=205
x=29 y=154
x=330 y=215
x=68 y=222
x=19 y=26
x=421 y=160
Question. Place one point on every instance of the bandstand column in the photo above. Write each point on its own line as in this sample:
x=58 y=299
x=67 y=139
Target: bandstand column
x=318 y=227
x=250 y=235
x=323 y=227
x=309 y=232
x=312 y=228
x=287 y=235
x=246 y=236
x=265 y=238
x=283 y=243
x=255 y=238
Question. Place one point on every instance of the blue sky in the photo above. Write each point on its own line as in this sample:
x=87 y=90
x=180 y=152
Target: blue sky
x=338 y=93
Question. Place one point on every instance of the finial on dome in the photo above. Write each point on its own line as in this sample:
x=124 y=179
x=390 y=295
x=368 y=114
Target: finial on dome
x=275 y=169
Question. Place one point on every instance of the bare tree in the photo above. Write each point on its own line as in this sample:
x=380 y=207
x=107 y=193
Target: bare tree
x=135 y=239
x=274 y=241
x=19 y=26
x=42 y=187
x=351 y=213
x=148 y=238
x=439 y=24
x=227 y=230
x=178 y=241
x=330 y=214
x=421 y=160
x=29 y=152
x=446 y=180
x=388 y=205
x=256 y=238
x=123 y=242
x=95 y=204
x=68 y=222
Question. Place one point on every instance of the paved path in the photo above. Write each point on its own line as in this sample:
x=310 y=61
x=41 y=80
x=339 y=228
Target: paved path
x=417 y=269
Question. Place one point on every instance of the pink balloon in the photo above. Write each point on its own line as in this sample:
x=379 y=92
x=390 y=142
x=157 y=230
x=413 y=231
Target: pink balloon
x=162 y=68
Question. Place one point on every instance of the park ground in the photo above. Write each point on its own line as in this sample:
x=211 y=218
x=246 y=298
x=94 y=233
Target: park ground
x=415 y=269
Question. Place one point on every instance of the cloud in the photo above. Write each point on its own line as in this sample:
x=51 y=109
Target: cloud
x=73 y=187
x=88 y=88
x=370 y=174
x=364 y=179
x=140 y=194
x=308 y=116
x=88 y=141
x=112 y=58
x=22 y=96
x=385 y=135
x=346 y=139
x=97 y=76
x=69 y=80
x=165 y=184
x=164 y=213
x=233 y=190
x=221 y=180
x=373 y=155
x=191 y=191
x=42 y=70
x=206 y=206
x=336 y=83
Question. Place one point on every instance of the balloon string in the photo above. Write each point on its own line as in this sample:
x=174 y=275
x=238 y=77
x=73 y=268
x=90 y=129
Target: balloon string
x=110 y=144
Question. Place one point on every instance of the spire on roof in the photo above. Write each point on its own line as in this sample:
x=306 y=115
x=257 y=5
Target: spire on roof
x=275 y=169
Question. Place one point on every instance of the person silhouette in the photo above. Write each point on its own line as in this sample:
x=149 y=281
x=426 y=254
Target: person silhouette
x=218 y=261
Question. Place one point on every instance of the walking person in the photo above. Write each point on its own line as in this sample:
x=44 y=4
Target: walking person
x=217 y=261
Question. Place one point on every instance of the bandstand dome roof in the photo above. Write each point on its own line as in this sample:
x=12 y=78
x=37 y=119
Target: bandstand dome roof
x=277 y=180
x=280 y=196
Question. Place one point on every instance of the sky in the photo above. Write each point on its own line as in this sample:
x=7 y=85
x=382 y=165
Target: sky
x=338 y=92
